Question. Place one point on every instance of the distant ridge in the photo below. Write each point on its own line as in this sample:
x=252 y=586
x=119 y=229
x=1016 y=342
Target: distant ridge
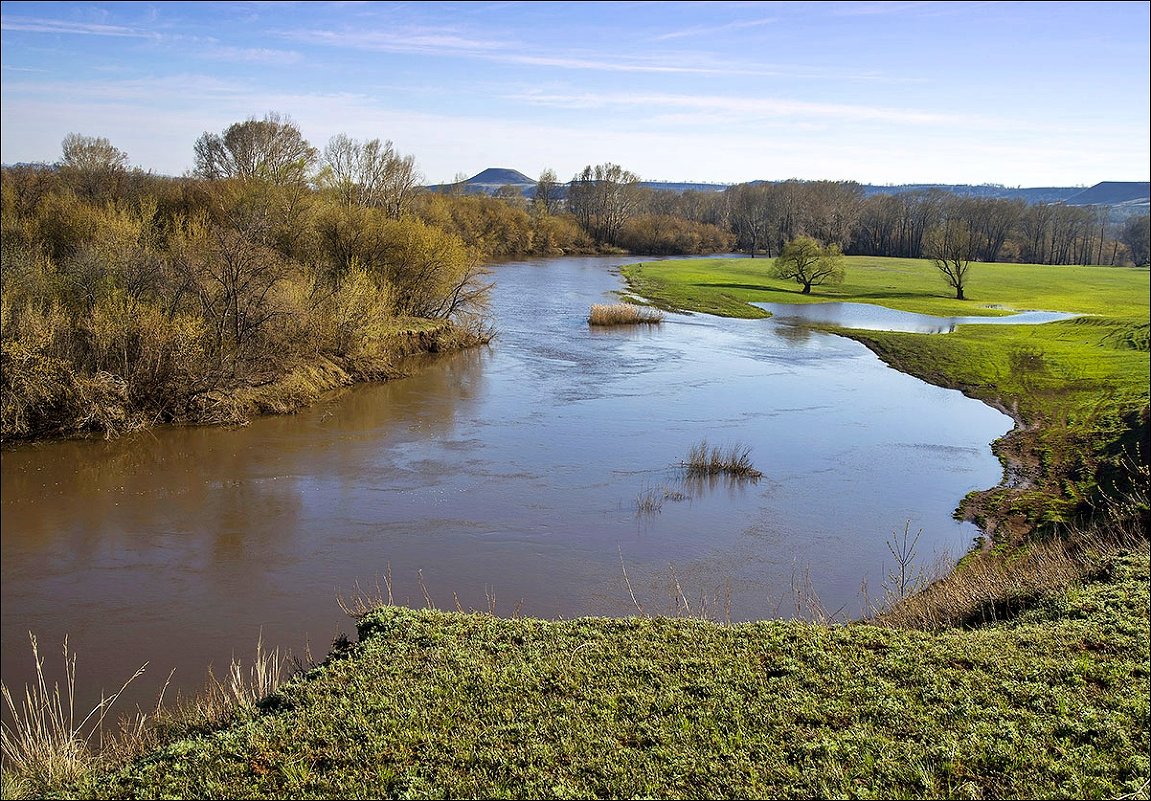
x=1039 y=194
x=1113 y=193
x=1129 y=196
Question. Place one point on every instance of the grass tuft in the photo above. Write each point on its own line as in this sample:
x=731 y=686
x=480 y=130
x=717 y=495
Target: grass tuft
x=712 y=460
x=623 y=314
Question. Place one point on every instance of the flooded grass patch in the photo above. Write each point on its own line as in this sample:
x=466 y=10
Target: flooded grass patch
x=705 y=459
x=623 y=314
x=726 y=287
x=651 y=499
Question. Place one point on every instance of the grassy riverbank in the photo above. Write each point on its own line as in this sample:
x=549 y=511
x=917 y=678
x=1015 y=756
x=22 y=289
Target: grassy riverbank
x=431 y=704
x=1077 y=389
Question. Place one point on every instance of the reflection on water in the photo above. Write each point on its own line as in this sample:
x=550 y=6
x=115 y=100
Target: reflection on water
x=512 y=471
x=867 y=317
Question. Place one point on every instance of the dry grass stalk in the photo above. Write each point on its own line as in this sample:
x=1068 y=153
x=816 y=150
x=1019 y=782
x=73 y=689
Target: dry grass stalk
x=650 y=500
x=623 y=314
x=47 y=745
x=45 y=742
x=988 y=587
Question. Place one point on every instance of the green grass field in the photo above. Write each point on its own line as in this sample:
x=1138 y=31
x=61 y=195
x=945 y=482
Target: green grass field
x=438 y=705
x=725 y=286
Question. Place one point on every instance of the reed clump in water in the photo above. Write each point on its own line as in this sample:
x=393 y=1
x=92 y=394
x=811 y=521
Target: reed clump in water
x=623 y=314
x=713 y=460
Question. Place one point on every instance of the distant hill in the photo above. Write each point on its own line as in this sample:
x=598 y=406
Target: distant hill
x=500 y=176
x=1127 y=197
x=489 y=181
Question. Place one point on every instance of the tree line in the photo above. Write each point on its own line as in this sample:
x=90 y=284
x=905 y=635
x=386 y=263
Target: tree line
x=613 y=208
x=763 y=217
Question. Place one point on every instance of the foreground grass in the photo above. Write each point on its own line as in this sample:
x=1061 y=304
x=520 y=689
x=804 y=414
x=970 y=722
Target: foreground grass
x=434 y=704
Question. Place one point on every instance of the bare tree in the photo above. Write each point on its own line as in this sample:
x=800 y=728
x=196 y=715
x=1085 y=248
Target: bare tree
x=992 y=220
x=752 y=213
x=92 y=164
x=547 y=195
x=234 y=276
x=603 y=198
x=1136 y=235
x=830 y=210
x=369 y=174
x=271 y=149
x=951 y=248
x=809 y=263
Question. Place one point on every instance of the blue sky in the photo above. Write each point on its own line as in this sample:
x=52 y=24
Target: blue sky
x=1022 y=94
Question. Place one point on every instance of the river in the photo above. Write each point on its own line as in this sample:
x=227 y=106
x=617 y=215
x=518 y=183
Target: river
x=511 y=472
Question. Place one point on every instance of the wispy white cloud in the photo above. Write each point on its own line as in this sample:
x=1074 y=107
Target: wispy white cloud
x=918 y=9
x=609 y=65
x=449 y=43
x=161 y=138
x=746 y=107
x=40 y=25
x=180 y=88
x=258 y=55
x=879 y=9
x=432 y=41
x=710 y=30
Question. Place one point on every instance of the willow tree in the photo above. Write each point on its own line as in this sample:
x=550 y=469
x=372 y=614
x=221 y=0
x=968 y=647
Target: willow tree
x=271 y=150
x=92 y=165
x=808 y=263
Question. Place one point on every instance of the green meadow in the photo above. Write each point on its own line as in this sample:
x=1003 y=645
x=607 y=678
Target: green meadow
x=725 y=286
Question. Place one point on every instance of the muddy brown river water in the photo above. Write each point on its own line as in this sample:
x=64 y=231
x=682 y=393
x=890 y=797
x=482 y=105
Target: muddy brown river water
x=511 y=471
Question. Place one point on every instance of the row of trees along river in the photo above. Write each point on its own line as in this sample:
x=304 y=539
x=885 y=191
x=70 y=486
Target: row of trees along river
x=277 y=268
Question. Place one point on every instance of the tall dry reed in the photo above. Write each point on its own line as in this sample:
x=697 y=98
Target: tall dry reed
x=623 y=314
